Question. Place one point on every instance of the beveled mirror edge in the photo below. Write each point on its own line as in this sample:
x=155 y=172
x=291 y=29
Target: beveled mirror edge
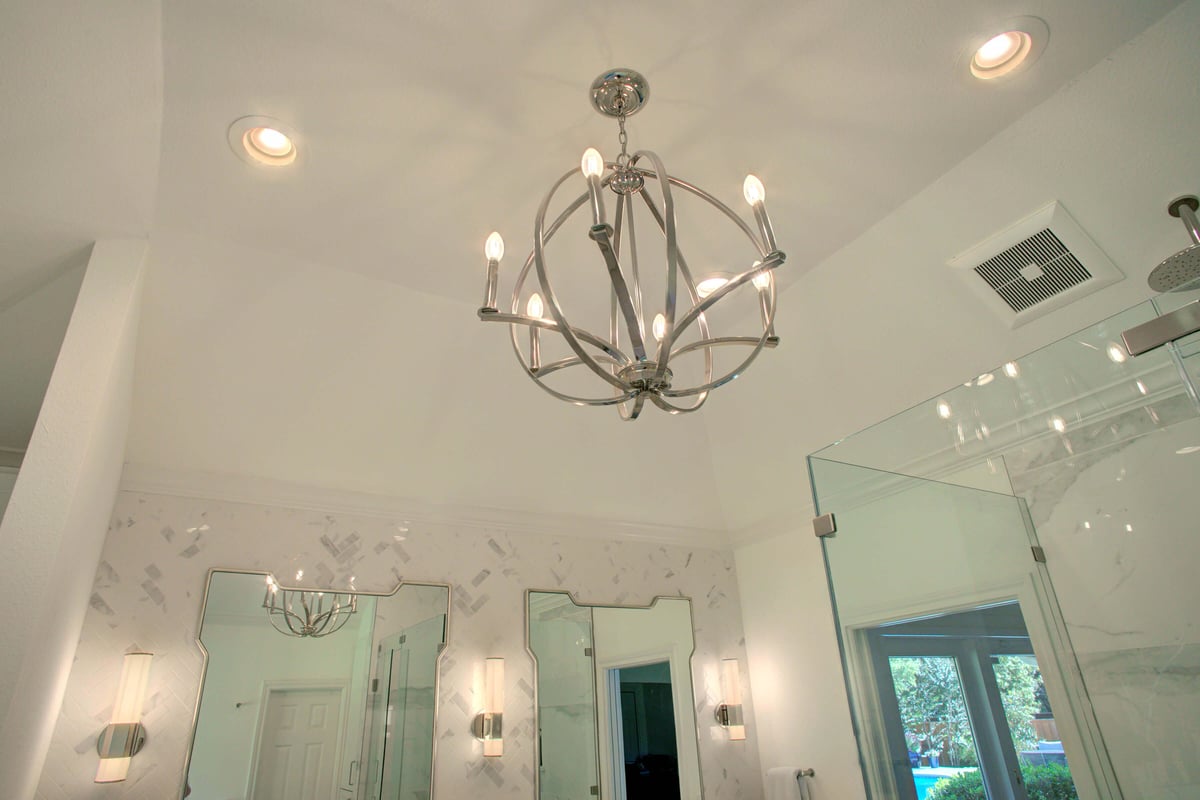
x=437 y=673
x=537 y=740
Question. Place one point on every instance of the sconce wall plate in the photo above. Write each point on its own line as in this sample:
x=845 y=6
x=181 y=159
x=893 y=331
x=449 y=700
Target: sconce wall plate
x=728 y=716
x=121 y=740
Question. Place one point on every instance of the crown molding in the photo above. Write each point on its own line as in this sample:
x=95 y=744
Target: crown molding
x=793 y=522
x=151 y=479
x=11 y=458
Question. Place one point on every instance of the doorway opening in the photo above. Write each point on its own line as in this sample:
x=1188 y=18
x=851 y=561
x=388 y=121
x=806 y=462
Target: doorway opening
x=644 y=745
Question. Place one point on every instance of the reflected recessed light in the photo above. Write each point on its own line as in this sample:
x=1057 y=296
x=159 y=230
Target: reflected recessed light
x=943 y=409
x=1058 y=423
x=709 y=285
x=1011 y=369
x=985 y=379
x=262 y=140
x=1019 y=44
x=1186 y=451
x=1116 y=353
x=1141 y=387
x=1129 y=528
x=1087 y=525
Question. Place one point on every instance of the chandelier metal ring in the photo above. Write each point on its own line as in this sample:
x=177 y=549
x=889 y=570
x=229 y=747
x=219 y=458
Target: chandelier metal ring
x=626 y=360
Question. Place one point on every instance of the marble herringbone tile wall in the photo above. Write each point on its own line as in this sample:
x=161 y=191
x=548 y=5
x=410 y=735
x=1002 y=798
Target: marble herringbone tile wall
x=151 y=580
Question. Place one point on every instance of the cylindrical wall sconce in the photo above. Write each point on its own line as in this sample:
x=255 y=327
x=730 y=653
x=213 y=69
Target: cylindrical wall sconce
x=729 y=713
x=124 y=735
x=488 y=726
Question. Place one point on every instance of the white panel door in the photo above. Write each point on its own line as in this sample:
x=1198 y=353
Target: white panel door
x=298 y=745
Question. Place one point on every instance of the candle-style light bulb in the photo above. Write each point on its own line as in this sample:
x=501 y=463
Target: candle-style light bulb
x=753 y=190
x=534 y=307
x=592 y=163
x=493 y=250
x=659 y=327
x=494 y=247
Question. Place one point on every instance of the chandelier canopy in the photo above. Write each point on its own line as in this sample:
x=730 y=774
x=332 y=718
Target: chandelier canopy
x=619 y=366
x=294 y=612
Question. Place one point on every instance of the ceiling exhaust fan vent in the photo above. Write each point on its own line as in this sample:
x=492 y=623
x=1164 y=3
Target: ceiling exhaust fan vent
x=1037 y=265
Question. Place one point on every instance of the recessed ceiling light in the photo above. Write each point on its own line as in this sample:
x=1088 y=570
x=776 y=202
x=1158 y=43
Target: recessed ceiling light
x=273 y=144
x=1018 y=44
x=1116 y=353
x=1011 y=369
x=262 y=140
x=1058 y=423
x=1186 y=451
x=943 y=409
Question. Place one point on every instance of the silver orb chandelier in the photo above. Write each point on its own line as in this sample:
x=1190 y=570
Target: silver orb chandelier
x=622 y=366
x=305 y=614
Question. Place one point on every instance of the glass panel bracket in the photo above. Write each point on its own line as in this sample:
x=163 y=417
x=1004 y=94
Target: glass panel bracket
x=1160 y=330
x=824 y=525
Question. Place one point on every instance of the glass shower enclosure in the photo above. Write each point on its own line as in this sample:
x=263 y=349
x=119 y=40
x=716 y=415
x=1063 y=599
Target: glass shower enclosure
x=1014 y=576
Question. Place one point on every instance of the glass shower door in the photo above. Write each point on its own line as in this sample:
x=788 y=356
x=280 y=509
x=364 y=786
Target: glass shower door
x=933 y=584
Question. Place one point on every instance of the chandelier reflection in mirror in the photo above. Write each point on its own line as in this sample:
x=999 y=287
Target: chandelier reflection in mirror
x=306 y=613
x=620 y=366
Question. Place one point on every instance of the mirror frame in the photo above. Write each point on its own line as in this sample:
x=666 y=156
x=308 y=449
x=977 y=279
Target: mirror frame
x=437 y=675
x=537 y=740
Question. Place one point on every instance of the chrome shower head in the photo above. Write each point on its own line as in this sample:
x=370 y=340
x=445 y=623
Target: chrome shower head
x=1182 y=270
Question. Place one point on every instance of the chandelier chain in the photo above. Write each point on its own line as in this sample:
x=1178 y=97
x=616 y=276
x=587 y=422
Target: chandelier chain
x=623 y=138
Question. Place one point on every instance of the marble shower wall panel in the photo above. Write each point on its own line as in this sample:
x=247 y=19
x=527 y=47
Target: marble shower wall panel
x=1119 y=529
x=1147 y=702
x=151 y=579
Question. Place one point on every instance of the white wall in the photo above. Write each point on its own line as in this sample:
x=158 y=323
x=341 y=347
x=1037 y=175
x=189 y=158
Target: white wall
x=160 y=547
x=8 y=478
x=54 y=528
x=802 y=712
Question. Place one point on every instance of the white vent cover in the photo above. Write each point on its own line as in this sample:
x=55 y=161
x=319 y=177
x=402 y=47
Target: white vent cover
x=1037 y=265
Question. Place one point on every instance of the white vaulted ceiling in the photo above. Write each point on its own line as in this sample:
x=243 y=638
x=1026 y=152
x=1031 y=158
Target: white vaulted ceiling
x=316 y=325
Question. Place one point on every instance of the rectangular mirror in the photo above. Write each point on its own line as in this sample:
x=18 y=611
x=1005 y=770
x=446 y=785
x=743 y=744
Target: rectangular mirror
x=615 y=707
x=316 y=694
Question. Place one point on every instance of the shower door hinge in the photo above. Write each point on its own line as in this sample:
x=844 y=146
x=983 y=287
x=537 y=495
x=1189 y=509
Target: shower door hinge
x=1039 y=555
x=824 y=525
x=594 y=791
x=587 y=652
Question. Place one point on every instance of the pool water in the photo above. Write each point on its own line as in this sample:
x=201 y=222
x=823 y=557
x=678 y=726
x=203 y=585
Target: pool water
x=926 y=777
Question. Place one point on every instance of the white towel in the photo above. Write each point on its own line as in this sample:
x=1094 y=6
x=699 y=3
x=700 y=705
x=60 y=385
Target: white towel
x=785 y=783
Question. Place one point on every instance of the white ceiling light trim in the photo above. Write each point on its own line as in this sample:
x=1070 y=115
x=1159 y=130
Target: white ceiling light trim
x=263 y=141
x=1004 y=50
